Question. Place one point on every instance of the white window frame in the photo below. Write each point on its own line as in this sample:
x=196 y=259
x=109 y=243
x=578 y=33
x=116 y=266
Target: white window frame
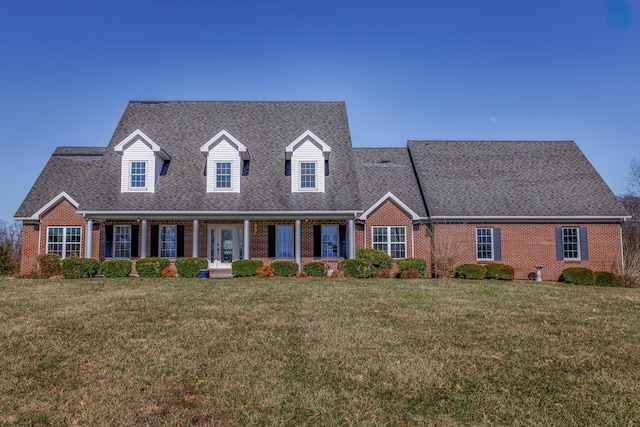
x=387 y=241
x=303 y=175
x=568 y=243
x=482 y=244
x=280 y=242
x=217 y=174
x=121 y=248
x=64 y=244
x=167 y=248
x=133 y=187
x=326 y=254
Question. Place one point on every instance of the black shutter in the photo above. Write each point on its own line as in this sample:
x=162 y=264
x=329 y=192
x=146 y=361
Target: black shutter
x=497 y=244
x=317 y=241
x=155 y=238
x=342 y=237
x=559 y=244
x=108 y=241
x=180 y=241
x=271 y=241
x=135 y=229
x=584 y=244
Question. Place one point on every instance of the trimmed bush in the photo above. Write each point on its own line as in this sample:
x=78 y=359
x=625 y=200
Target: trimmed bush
x=316 y=269
x=375 y=257
x=79 y=268
x=417 y=264
x=471 y=271
x=190 y=267
x=266 y=271
x=169 y=272
x=357 y=268
x=116 y=268
x=285 y=268
x=383 y=273
x=151 y=267
x=500 y=271
x=245 y=267
x=605 y=278
x=410 y=274
x=579 y=276
x=48 y=264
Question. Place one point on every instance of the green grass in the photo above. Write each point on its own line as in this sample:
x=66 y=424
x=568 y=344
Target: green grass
x=290 y=352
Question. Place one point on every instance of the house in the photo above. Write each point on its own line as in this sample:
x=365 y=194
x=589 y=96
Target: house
x=281 y=180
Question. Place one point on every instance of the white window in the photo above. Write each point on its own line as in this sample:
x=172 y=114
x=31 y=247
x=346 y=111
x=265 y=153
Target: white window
x=330 y=247
x=570 y=243
x=484 y=243
x=392 y=240
x=168 y=241
x=223 y=175
x=122 y=241
x=64 y=241
x=138 y=174
x=307 y=175
x=284 y=241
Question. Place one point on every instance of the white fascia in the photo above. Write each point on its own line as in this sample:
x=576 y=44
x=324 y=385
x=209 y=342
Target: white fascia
x=139 y=135
x=389 y=195
x=601 y=218
x=308 y=135
x=222 y=135
x=220 y=214
x=62 y=195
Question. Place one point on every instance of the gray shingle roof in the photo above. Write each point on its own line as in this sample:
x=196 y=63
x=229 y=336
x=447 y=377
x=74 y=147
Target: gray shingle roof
x=383 y=170
x=510 y=178
x=181 y=128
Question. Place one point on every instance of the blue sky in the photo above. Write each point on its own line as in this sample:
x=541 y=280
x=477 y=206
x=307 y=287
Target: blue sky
x=446 y=69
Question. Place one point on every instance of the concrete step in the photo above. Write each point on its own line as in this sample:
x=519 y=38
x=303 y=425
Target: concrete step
x=220 y=273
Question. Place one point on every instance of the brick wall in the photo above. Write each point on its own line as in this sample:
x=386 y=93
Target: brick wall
x=526 y=245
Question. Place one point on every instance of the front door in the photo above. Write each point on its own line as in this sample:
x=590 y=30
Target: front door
x=222 y=246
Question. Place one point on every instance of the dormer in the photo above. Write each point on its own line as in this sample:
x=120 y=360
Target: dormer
x=143 y=161
x=308 y=161
x=227 y=159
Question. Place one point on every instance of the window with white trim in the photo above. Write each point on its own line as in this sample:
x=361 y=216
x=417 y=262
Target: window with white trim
x=223 y=175
x=484 y=243
x=570 y=243
x=168 y=241
x=391 y=240
x=307 y=175
x=138 y=174
x=122 y=241
x=64 y=241
x=284 y=241
x=330 y=243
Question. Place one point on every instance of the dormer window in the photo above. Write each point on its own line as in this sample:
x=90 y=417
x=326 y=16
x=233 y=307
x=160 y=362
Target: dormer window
x=227 y=160
x=307 y=162
x=143 y=161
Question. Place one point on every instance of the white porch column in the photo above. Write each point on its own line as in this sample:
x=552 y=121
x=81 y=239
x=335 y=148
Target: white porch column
x=88 y=239
x=195 y=238
x=298 y=243
x=351 y=239
x=245 y=242
x=143 y=238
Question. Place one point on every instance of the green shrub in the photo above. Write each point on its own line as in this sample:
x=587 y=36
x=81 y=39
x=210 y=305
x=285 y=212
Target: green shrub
x=48 y=264
x=7 y=264
x=190 y=267
x=116 y=268
x=375 y=257
x=358 y=268
x=605 y=278
x=471 y=271
x=151 y=267
x=245 y=267
x=316 y=269
x=579 y=276
x=79 y=268
x=417 y=264
x=285 y=268
x=500 y=271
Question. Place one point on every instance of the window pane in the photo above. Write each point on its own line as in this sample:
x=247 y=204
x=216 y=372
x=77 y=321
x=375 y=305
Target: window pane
x=484 y=243
x=223 y=175
x=329 y=241
x=55 y=237
x=138 y=174
x=122 y=241
x=398 y=242
x=380 y=239
x=570 y=243
x=284 y=241
x=168 y=241
x=307 y=175
x=73 y=237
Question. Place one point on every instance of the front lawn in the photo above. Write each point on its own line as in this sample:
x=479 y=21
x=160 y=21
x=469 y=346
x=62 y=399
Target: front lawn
x=291 y=352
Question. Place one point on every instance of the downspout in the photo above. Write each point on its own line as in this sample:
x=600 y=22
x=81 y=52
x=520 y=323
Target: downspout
x=622 y=248
x=413 y=252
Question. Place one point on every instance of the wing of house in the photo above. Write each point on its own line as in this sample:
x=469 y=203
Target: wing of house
x=280 y=180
